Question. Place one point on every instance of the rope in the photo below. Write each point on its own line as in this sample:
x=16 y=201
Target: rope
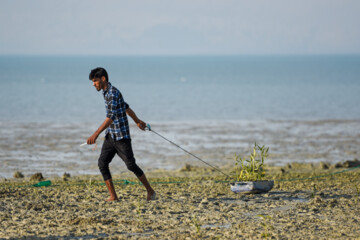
x=149 y=128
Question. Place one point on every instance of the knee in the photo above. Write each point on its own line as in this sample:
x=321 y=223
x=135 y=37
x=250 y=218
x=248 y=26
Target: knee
x=102 y=165
x=133 y=167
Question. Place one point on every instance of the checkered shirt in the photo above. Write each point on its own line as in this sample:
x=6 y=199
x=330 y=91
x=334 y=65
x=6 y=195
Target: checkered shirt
x=116 y=111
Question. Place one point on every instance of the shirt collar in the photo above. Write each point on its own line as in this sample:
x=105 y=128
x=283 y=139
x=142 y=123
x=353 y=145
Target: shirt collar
x=107 y=89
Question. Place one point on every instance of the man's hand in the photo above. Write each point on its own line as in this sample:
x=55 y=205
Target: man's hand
x=141 y=125
x=104 y=125
x=92 y=139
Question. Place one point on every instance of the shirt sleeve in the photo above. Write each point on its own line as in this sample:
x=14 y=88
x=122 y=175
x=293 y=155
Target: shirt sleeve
x=126 y=105
x=112 y=106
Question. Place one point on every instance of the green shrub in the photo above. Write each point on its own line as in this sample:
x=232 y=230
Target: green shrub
x=251 y=168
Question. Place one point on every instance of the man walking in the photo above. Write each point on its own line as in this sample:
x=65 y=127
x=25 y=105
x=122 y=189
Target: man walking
x=117 y=134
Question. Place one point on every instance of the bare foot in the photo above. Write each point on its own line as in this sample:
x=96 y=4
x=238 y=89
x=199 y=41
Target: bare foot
x=112 y=199
x=151 y=195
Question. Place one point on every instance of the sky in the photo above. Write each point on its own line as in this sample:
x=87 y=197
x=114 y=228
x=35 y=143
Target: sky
x=179 y=27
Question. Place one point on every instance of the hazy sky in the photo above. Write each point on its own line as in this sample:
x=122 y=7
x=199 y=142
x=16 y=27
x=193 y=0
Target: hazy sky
x=168 y=27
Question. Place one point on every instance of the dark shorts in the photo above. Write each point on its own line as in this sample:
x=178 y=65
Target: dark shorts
x=123 y=149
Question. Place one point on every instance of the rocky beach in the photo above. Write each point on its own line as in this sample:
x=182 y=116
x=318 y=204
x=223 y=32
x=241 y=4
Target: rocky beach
x=308 y=201
x=303 y=107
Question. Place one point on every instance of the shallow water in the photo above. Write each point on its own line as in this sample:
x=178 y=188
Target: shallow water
x=55 y=148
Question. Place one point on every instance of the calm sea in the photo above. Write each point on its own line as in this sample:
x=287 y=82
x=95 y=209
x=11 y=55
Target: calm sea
x=57 y=89
x=305 y=108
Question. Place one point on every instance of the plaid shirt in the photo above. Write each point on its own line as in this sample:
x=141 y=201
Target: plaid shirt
x=116 y=111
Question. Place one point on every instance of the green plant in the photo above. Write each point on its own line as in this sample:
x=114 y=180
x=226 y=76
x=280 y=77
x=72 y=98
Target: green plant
x=314 y=191
x=266 y=226
x=90 y=190
x=91 y=182
x=196 y=223
x=251 y=169
x=357 y=192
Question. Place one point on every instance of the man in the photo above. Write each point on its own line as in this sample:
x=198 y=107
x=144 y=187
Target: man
x=117 y=134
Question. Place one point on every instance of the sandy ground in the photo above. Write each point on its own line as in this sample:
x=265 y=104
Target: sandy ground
x=191 y=204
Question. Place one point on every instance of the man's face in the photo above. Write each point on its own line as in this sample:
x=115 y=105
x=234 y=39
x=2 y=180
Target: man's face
x=98 y=83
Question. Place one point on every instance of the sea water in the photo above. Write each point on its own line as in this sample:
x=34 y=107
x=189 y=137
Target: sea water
x=183 y=88
x=304 y=107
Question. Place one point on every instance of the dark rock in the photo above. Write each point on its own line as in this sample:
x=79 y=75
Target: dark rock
x=66 y=175
x=187 y=168
x=324 y=165
x=18 y=175
x=338 y=165
x=37 y=177
x=348 y=164
x=351 y=163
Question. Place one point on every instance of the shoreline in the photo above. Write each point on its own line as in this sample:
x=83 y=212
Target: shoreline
x=54 y=148
x=193 y=202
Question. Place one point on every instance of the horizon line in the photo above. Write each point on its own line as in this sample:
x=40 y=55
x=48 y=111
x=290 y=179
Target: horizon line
x=179 y=55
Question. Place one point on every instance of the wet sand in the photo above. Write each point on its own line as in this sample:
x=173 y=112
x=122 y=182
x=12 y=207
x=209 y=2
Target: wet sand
x=192 y=203
x=54 y=148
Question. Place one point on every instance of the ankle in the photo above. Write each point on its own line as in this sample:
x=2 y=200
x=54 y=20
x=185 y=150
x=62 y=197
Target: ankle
x=112 y=198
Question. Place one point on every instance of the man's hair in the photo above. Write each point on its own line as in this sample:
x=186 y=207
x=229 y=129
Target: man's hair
x=98 y=73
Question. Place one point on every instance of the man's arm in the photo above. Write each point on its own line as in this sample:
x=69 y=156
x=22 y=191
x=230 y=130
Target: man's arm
x=138 y=122
x=104 y=125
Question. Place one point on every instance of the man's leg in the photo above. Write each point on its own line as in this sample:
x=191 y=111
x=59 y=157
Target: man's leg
x=125 y=152
x=107 y=154
x=110 y=187
x=151 y=195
